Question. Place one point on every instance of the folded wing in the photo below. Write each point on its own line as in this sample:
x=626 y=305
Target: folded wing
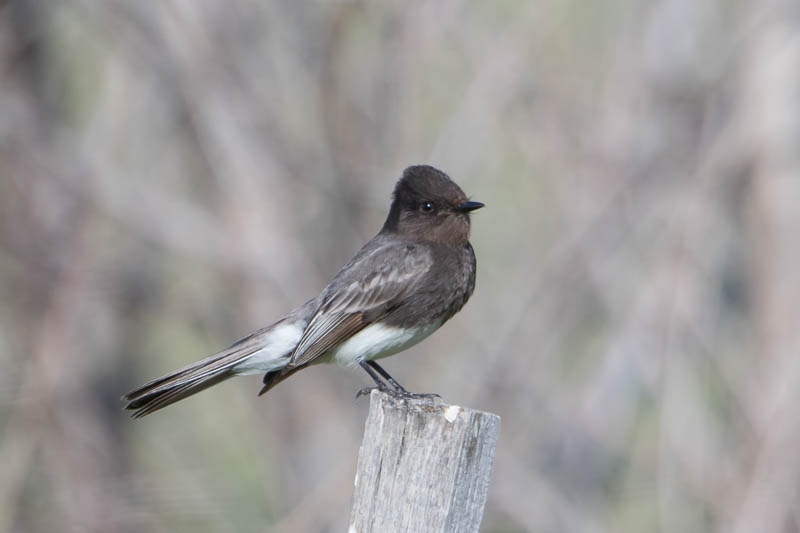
x=363 y=292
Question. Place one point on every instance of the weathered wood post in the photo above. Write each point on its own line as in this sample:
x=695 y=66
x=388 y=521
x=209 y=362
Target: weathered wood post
x=423 y=467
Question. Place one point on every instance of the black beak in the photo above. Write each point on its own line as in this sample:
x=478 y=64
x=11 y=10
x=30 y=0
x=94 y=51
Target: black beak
x=466 y=207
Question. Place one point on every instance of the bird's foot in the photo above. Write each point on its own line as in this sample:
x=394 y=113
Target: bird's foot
x=419 y=395
x=400 y=394
x=367 y=390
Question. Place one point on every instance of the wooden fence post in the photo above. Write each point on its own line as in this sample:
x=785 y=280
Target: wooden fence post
x=423 y=467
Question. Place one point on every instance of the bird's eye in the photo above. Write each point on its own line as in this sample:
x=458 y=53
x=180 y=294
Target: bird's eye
x=426 y=207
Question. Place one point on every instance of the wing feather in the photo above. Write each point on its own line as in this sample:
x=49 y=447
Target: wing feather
x=362 y=293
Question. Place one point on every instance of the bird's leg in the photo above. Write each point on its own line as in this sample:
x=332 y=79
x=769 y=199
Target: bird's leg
x=379 y=383
x=371 y=367
x=385 y=375
x=399 y=388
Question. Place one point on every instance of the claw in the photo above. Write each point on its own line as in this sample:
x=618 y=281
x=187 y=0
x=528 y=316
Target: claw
x=420 y=395
x=364 y=392
x=399 y=394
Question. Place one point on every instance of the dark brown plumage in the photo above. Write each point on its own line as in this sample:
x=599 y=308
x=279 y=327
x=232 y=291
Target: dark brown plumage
x=409 y=279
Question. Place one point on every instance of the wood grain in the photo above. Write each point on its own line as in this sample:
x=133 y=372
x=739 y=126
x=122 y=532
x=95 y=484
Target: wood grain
x=424 y=466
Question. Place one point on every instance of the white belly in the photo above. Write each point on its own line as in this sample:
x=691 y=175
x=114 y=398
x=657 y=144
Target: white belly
x=376 y=341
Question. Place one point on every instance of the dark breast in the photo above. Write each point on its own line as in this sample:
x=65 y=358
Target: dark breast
x=446 y=288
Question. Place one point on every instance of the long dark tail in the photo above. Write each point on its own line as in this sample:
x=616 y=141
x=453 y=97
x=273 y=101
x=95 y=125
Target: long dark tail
x=189 y=380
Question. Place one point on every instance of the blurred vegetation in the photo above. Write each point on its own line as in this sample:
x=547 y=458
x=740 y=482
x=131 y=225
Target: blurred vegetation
x=174 y=175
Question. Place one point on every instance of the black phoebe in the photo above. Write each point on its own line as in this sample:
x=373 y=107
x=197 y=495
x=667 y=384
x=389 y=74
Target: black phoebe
x=407 y=281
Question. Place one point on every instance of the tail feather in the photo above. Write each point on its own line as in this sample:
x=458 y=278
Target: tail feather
x=276 y=376
x=275 y=344
x=187 y=381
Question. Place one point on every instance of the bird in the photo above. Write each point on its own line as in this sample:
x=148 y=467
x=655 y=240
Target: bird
x=401 y=286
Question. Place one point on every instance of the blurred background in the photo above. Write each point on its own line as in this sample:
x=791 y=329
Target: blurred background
x=177 y=174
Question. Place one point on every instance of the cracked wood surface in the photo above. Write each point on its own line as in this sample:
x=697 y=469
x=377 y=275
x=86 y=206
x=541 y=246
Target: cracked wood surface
x=423 y=466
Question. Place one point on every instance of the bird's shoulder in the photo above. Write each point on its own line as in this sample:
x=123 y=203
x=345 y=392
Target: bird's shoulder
x=384 y=263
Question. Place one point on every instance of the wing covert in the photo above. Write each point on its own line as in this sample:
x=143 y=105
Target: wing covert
x=361 y=293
